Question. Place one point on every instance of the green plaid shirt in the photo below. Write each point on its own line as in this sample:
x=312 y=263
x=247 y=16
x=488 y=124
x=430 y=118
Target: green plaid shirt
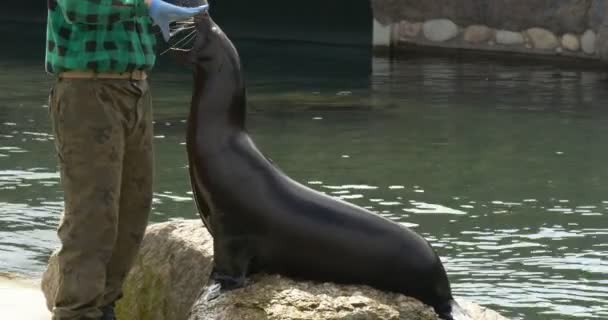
x=99 y=35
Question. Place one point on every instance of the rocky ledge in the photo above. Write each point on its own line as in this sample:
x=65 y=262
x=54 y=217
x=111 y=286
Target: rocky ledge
x=559 y=28
x=444 y=33
x=280 y=298
x=175 y=261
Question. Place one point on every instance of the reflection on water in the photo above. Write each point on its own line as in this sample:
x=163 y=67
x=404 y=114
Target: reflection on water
x=502 y=167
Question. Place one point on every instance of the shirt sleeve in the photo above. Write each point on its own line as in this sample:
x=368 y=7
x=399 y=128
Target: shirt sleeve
x=101 y=12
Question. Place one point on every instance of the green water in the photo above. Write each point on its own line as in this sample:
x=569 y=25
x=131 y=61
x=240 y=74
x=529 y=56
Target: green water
x=502 y=166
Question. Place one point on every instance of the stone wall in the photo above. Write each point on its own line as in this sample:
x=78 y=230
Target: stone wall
x=567 y=28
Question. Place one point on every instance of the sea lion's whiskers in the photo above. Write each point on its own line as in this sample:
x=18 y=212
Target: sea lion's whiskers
x=185 y=39
x=177 y=27
x=190 y=20
x=185 y=22
x=178 y=30
x=181 y=26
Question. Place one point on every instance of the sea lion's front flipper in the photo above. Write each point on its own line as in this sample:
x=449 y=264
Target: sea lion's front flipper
x=232 y=258
x=219 y=283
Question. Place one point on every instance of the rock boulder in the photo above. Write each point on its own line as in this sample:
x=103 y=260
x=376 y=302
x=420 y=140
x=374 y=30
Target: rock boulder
x=175 y=261
x=440 y=30
x=172 y=266
x=279 y=298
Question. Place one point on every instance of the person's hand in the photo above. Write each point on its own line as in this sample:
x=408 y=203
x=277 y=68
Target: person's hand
x=163 y=13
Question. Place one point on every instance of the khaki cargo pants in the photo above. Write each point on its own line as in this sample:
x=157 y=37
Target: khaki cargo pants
x=103 y=136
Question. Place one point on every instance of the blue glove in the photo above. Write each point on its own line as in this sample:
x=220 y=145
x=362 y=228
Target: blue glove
x=163 y=13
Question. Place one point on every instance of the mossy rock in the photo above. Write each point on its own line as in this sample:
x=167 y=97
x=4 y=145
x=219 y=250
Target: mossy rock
x=173 y=263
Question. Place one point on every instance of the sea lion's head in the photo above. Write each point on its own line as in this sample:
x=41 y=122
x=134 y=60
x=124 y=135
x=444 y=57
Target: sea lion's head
x=210 y=43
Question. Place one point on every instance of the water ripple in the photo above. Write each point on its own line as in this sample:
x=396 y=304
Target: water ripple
x=429 y=208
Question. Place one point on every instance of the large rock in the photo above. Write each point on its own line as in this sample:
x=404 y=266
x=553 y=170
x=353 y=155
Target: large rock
x=174 y=264
x=542 y=38
x=439 y=30
x=477 y=34
x=279 y=298
x=588 y=42
x=509 y=38
x=274 y=297
x=571 y=42
x=409 y=30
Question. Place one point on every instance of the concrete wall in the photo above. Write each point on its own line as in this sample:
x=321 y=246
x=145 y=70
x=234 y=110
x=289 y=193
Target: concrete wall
x=555 y=28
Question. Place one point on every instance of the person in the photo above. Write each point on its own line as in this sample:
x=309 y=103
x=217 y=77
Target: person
x=100 y=108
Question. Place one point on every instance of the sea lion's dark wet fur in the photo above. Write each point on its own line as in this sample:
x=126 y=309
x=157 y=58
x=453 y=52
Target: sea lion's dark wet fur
x=263 y=221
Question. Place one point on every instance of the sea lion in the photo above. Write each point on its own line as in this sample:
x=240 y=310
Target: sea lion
x=261 y=220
